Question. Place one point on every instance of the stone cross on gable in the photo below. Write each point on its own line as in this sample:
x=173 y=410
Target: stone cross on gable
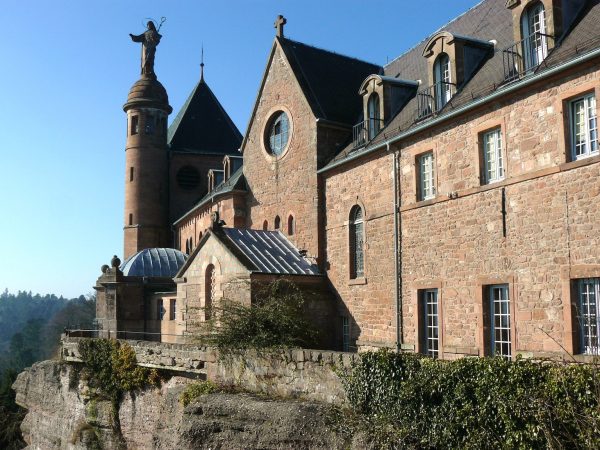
x=279 y=23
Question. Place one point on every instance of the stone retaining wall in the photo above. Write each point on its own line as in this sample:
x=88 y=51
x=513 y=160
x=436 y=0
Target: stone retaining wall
x=298 y=373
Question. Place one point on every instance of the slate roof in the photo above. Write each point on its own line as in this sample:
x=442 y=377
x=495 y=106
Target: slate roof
x=488 y=20
x=236 y=182
x=202 y=125
x=154 y=262
x=268 y=252
x=329 y=81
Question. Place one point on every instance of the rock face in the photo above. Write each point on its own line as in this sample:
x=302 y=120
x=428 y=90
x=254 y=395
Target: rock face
x=64 y=414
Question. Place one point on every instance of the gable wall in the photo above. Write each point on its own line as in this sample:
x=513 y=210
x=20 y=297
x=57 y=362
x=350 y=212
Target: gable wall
x=286 y=185
x=232 y=282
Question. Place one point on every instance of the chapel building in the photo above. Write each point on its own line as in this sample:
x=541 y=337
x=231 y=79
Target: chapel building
x=445 y=203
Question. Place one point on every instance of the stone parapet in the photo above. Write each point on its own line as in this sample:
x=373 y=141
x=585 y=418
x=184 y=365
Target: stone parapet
x=295 y=373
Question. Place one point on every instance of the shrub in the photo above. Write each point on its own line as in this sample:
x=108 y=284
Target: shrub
x=275 y=319
x=476 y=402
x=195 y=390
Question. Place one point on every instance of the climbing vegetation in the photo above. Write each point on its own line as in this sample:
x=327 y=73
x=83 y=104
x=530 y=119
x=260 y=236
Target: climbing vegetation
x=411 y=401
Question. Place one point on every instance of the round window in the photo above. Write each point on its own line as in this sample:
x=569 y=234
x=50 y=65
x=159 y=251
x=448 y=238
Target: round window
x=278 y=133
x=188 y=178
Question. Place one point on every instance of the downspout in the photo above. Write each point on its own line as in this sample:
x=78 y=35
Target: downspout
x=398 y=285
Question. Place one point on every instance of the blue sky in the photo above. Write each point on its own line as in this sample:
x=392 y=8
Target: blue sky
x=66 y=68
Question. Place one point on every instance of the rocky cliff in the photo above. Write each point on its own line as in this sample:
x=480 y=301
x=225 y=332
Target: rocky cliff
x=63 y=413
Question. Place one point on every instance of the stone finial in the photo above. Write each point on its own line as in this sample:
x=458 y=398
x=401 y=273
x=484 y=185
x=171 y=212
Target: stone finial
x=115 y=261
x=279 y=23
x=104 y=268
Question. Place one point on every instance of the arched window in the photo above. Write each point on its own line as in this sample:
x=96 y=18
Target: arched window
x=265 y=225
x=533 y=29
x=291 y=226
x=199 y=236
x=187 y=247
x=277 y=223
x=357 y=261
x=209 y=290
x=442 y=80
x=374 y=119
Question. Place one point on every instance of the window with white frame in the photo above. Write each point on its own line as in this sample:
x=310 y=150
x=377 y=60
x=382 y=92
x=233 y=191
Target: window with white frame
x=431 y=334
x=493 y=160
x=426 y=176
x=588 y=292
x=500 y=320
x=535 y=39
x=584 y=127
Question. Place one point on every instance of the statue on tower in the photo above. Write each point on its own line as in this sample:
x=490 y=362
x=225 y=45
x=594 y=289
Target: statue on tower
x=149 y=39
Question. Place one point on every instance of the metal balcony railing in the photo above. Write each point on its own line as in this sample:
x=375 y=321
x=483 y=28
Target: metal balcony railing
x=433 y=98
x=366 y=130
x=526 y=55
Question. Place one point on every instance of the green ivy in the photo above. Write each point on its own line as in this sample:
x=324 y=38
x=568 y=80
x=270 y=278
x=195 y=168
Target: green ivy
x=111 y=368
x=414 y=401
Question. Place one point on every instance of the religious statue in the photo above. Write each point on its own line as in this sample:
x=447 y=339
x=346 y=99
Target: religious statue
x=149 y=39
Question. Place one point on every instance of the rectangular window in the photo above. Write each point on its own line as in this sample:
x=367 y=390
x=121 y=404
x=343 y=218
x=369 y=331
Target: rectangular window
x=588 y=292
x=584 y=127
x=430 y=324
x=172 y=309
x=134 y=125
x=493 y=162
x=499 y=304
x=426 y=176
x=131 y=174
x=160 y=311
x=345 y=334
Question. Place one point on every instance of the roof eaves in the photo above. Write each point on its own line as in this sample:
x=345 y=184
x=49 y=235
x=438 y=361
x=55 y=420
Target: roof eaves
x=462 y=109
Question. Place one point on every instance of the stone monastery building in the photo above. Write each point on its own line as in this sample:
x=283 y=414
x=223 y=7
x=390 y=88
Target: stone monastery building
x=446 y=203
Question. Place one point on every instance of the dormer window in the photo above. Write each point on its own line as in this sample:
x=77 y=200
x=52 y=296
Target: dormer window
x=383 y=97
x=374 y=123
x=537 y=26
x=452 y=61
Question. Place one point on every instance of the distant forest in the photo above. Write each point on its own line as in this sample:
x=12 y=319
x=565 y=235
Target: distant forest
x=30 y=328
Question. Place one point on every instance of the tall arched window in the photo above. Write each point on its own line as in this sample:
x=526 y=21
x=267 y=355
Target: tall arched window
x=277 y=222
x=442 y=80
x=265 y=225
x=209 y=291
x=291 y=225
x=533 y=29
x=374 y=123
x=357 y=260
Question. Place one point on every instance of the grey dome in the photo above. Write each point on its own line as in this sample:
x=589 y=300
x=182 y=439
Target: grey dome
x=154 y=262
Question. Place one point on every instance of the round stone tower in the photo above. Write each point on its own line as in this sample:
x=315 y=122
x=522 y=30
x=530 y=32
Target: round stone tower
x=146 y=167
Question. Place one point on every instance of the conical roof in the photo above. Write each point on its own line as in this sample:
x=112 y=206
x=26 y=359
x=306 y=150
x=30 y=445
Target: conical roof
x=203 y=126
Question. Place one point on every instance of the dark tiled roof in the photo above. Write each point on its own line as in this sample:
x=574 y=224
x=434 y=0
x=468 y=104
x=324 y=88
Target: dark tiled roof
x=203 y=125
x=269 y=252
x=236 y=182
x=329 y=81
x=489 y=20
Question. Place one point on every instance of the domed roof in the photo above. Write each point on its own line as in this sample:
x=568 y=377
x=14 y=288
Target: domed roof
x=148 y=92
x=154 y=262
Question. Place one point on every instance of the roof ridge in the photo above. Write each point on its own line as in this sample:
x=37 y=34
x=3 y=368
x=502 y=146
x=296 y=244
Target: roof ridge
x=332 y=52
x=414 y=47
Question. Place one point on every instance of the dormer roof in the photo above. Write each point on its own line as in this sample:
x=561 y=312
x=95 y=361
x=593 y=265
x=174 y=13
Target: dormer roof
x=450 y=38
x=203 y=126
